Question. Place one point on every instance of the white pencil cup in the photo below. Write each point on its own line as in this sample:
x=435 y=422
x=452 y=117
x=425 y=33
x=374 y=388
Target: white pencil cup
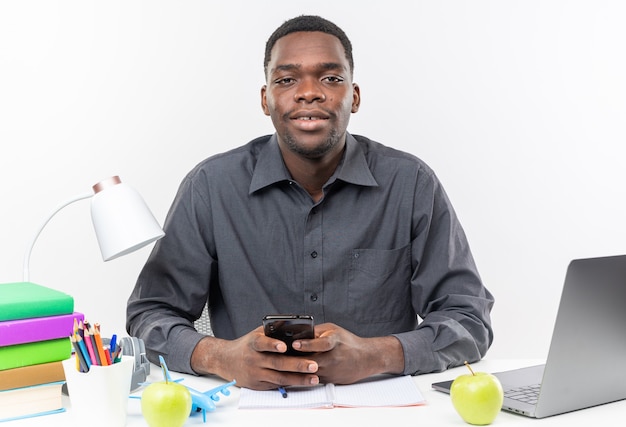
x=99 y=397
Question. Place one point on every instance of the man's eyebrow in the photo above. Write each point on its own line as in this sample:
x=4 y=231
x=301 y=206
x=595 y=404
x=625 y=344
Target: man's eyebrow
x=332 y=66
x=322 y=65
x=286 y=67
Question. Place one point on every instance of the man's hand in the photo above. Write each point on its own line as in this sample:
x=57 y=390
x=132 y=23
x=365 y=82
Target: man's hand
x=254 y=360
x=344 y=358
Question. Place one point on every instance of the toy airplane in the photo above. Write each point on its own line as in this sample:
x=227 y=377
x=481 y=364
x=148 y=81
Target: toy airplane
x=200 y=401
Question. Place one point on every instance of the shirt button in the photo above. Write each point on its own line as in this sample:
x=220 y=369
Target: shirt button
x=314 y=254
x=313 y=297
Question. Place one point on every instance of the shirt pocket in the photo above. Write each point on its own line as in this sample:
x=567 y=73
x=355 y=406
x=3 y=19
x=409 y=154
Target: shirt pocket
x=379 y=286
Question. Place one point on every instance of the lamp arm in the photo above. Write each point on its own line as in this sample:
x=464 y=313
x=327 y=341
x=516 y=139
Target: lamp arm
x=29 y=249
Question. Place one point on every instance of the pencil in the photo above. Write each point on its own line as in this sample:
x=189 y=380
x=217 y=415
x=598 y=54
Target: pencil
x=90 y=347
x=81 y=329
x=99 y=346
x=76 y=349
x=107 y=353
x=80 y=359
x=118 y=354
x=84 y=351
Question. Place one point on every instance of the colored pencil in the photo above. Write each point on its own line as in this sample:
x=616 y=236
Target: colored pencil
x=81 y=329
x=84 y=351
x=118 y=354
x=99 y=346
x=89 y=342
x=107 y=353
x=80 y=358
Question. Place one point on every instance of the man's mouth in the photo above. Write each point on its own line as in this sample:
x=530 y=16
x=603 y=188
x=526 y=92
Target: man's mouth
x=310 y=115
x=309 y=121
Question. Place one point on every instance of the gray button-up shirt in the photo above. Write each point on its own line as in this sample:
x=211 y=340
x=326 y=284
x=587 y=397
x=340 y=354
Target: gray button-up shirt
x=381 y=253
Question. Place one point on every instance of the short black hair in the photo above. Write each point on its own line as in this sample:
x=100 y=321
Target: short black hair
x=308 y=23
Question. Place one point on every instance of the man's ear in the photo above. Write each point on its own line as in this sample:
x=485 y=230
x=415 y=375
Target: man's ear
x=356 y=97
x=264 y=100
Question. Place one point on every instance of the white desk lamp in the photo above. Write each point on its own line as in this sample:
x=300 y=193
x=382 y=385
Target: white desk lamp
x=123 y=223
x=121 y=219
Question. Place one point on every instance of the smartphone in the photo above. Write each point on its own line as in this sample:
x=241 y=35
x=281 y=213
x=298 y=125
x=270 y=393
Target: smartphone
x=289 y=328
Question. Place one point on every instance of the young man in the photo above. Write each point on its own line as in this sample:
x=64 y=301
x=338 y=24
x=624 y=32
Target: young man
x=312 y=220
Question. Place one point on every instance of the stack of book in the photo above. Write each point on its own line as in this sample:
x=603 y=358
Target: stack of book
x=35 y=325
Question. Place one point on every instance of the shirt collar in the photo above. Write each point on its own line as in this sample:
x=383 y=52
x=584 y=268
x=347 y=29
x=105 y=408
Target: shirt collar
x=270 y=168
x=353 y=167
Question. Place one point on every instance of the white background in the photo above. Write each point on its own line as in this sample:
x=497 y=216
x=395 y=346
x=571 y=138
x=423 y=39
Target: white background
x=519 y=106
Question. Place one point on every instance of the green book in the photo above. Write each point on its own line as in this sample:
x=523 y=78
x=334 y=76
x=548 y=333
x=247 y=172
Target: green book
x=24 y=300
x=33 y=353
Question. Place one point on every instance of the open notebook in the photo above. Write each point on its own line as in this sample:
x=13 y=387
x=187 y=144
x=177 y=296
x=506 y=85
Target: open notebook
x=385 y=391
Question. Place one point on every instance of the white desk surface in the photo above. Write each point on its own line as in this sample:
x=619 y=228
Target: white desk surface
x=437 y=412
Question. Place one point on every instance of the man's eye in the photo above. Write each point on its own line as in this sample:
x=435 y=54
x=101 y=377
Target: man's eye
x=284 y=80
x=333 y=79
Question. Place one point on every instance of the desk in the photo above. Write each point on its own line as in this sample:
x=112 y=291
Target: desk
x=438 y=411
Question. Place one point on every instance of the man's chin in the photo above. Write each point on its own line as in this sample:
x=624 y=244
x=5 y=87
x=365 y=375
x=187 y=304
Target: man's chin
x=311 y=147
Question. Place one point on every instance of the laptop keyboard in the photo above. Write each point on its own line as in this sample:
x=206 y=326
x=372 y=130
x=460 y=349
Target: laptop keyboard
x=528 y=394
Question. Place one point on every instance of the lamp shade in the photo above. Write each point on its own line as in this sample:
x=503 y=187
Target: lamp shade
x=121 y=219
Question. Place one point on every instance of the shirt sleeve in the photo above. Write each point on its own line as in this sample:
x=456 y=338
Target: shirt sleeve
x=159 y=311
x=447 y=292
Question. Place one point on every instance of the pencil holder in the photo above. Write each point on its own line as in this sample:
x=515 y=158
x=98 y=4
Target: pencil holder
x=99 y=397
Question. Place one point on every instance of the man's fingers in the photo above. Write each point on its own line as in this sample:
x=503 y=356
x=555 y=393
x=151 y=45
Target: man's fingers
x=263 y=343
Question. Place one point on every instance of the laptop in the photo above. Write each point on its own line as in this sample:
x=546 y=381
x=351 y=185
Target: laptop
x=586 y=362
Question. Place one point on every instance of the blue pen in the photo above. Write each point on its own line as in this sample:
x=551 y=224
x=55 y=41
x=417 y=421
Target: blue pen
x=113 y=344
x=283 y=391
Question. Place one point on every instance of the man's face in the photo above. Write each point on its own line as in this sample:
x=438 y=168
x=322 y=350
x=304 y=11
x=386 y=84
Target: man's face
x=309 y=93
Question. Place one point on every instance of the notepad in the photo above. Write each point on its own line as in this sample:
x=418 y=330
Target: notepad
x=386 y=391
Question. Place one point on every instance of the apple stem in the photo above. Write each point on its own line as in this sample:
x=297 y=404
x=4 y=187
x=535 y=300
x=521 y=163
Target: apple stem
x=469 y=367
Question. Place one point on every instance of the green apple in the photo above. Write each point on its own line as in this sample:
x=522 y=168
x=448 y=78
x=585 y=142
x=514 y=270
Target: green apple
x=477 y=397
x=166 y=404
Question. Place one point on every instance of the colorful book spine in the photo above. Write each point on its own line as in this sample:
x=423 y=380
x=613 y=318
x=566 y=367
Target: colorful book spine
x=21 y=331
x=31 y=375
x=33 y=353
x=25 y=300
